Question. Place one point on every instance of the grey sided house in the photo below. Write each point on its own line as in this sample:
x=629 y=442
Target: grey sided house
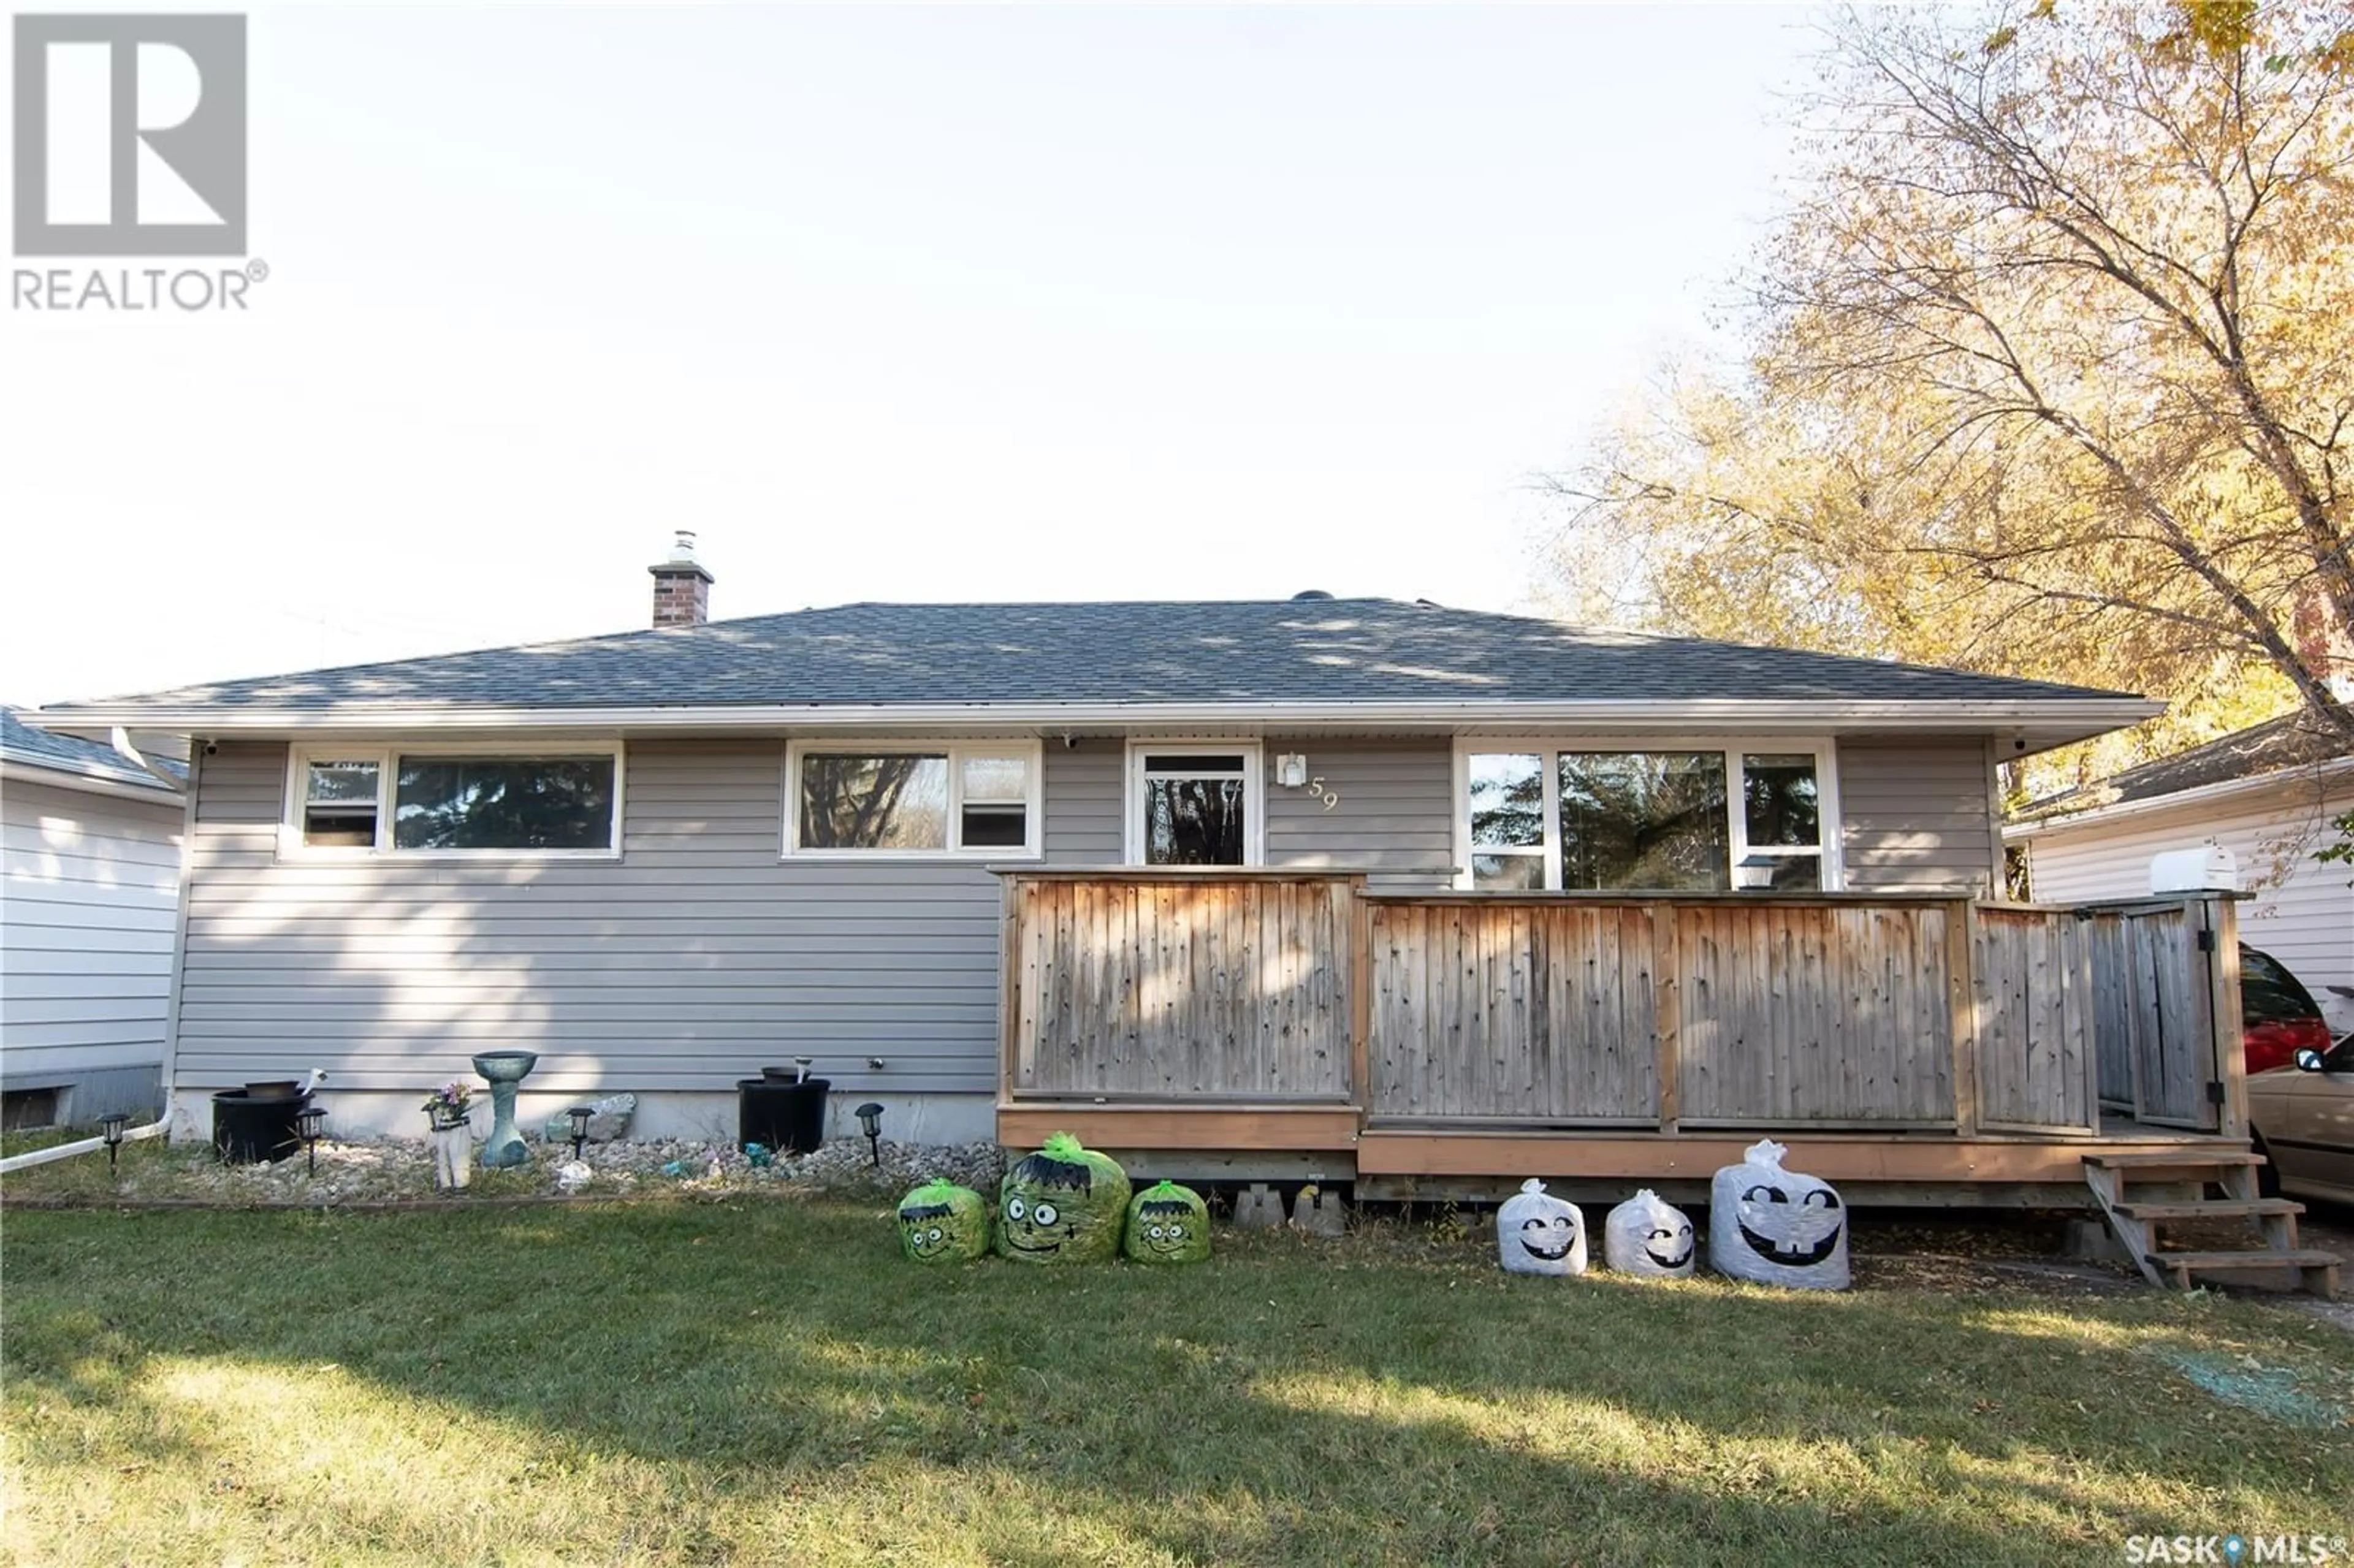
x=1397 y=893
x=90 y=851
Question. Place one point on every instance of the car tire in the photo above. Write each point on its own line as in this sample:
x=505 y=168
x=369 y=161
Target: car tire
x=2267 y=1174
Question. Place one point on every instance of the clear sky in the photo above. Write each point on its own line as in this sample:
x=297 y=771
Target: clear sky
x=886 y=304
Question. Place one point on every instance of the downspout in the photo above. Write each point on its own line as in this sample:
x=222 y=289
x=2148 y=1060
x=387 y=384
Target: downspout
x=140 y=760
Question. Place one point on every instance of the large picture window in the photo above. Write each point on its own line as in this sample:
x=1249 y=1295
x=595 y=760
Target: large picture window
x=981 y=798
x=1665 y=818
x=455 y=801
x=1194 y=805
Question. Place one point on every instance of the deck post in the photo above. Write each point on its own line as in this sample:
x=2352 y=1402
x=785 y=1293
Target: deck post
x=2221 y=915
x=1009 y=981
x=1359 y=928
x=1962 y=1011
x=1667 y=993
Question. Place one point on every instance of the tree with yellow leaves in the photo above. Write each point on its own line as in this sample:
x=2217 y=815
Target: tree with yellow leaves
x=2051 y=366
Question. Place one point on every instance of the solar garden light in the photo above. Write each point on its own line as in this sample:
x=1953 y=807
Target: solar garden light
x=870 y=1122
x=580 y=1115
x=309 y=1122
x=109 y=1127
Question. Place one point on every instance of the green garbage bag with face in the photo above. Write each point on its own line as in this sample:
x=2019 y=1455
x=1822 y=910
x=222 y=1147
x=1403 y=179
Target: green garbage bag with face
x=940 y=1221
x=1062 y=1205
x=1167 y=1223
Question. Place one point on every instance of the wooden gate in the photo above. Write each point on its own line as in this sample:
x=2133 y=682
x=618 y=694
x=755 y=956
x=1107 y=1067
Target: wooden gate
x=2153 y=1010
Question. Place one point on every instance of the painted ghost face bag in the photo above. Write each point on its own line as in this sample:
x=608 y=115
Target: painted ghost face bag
x=1062 y=1205
x=1539 y=1234
x=1776 y=1226
x=1645 y=1235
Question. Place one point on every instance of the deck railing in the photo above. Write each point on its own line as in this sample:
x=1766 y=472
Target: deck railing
x=1894 y=1013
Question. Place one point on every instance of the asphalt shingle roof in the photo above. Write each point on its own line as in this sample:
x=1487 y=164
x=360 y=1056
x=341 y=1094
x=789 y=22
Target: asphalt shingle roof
x=39 y=749
x=1335 y=651
x=2293 y=741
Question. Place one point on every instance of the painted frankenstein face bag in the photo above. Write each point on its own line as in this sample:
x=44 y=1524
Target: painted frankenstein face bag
x=1062 y=1205
x=940 y=1221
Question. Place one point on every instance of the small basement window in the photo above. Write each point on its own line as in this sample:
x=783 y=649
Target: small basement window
x=920 y=800
x=23 y=1108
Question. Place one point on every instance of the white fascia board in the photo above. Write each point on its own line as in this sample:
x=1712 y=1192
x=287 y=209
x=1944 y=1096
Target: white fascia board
x=2204 y=794
x=16 y=770
x=2041 y=721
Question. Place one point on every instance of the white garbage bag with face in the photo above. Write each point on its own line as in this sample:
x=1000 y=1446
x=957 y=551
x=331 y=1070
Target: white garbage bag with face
x=1776 y=1226
x=1648 y=1236
x=1538 y=1234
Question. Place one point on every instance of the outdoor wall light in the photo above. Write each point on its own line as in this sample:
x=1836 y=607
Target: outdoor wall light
x=1291 y=769
x=309 y=1122
x=870 y=1122
x=109 y=1127
x=1754 y=873
x=580 y=1115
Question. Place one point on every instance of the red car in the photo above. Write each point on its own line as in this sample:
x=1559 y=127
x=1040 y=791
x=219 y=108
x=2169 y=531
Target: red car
x=2277 y=1015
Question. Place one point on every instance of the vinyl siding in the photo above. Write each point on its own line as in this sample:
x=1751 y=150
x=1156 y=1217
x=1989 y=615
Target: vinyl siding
x=1918 y=814
x=91 y=894
x=693 y=960
x=699 y=956
x=2303 y=911
x=1395 y=814
x=1083 y=785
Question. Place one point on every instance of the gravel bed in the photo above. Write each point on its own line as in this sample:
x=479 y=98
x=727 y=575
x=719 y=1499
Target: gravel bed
x=388 y=1170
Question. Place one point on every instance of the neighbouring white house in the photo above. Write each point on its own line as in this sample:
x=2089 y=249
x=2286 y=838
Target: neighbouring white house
x=89 y=841
x=2269 y=794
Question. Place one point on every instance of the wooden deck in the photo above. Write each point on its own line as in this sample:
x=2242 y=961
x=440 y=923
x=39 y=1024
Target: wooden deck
x=1263 y=1023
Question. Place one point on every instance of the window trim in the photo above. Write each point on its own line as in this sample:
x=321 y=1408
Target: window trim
x=387 y=756
x=1254 y=792
x=1033 y=799
x=1823 y=749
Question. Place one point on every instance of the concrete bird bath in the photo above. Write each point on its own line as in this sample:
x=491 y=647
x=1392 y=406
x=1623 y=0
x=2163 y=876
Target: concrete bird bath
x=503 y=1070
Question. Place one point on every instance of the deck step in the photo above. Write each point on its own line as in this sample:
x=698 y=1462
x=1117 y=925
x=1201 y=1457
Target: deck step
x=2226 y=1208
x=2201 y=1262
x=2187 y=1160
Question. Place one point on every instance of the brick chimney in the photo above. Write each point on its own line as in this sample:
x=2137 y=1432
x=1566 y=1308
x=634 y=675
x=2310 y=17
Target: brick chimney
x=681 y=588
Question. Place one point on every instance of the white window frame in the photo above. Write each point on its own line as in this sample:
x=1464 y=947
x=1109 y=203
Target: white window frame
x=1033 y=801
x=1822 y=749
x=1254 y=792
x=387 y=756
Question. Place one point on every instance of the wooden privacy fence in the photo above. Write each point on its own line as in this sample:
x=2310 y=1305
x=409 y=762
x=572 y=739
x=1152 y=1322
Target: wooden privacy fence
x=1676 y=1011
x=1180 y=986
x=1701 y=1012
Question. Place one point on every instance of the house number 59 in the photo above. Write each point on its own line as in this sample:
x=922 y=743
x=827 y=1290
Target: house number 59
x=1330 y=798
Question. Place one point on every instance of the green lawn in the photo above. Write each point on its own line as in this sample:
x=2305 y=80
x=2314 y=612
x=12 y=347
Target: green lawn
x=768 y=1382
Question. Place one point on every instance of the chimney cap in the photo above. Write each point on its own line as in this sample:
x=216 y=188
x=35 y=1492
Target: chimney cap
x=682 y=562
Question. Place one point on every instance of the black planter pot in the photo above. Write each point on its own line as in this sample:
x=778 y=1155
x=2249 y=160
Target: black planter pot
x=784 y=1116
x=249 y=1130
